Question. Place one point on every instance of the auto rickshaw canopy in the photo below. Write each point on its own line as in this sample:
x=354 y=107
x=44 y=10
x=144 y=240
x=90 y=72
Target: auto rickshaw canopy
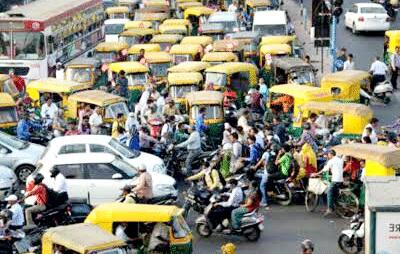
x=83 y=62
x=228 y=45
x=191 y=49
x=137 y=24
x=128 y=67
x=277 y=39
x=276 y=49
x=173 y=29
x=203 y=40
x=148 y=47
x=117 y=10
x=156 y=3
x=233 y=67
x=289 y=64
x=205 y=98
x=198 y=11
x=187 y=5
x=166 y=38
x=157 y=57
x=307 y=93
x=169 y=22
x=138 y=32
x=220 y=57
x=189 y=66
x=111 y=46
x=6 y=100
x=53 y=85
x=150 y=16
x=184 y=78
x=123 y=212
x=81 y=238
x=186 y=1
x=97 y=97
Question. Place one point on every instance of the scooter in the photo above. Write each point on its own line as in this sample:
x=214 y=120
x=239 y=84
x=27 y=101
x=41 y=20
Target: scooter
x=351 y=240
x=197 y=197
x=382 y=93
x=251 y=224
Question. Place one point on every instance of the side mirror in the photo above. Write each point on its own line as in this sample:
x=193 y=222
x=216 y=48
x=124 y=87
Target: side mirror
x=117 y=176
x=3 y=151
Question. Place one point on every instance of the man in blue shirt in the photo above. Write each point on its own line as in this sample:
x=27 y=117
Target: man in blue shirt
x=254 y=151
x=122 y=81
x=201 y=127
x=24 y=126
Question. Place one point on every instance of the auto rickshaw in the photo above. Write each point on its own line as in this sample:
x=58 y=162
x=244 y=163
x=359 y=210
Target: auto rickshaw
x=250 y=41
x=158 y=63
x=354 y=116
x=189 y=52
x=141 y=219
x=137 y=75
x=213 y=101
x=134 y=50
x=118 y=12
x=8 y=113
x=190 y=66
x=82 y=238
x=156 y=3
x=107 y=52
x=136 y=35
x=82 y=70
x=180 y=10
x=169 y=22
x=215 y=58
x=291 y=40
x=7 y=86
x=58 y=90
x=110 y=104
x=166 y=40
x=345 y=85
x=274 y=50
x=229 y=45
x=155 y=15
x=197 y=16
x=131 y=4
x=257 y=5
x=173 y=29
x=182 y=83
x=293 y=70
x=137 y=24
x=215 y=31
x=392 y=40
x=204 y=41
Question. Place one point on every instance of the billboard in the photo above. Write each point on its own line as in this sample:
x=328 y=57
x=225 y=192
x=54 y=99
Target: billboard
x=387 y=235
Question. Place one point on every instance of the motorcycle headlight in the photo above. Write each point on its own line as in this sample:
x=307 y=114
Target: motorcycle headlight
x=160 y=168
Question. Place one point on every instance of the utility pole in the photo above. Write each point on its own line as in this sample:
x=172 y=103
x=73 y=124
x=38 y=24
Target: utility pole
x=333 y=43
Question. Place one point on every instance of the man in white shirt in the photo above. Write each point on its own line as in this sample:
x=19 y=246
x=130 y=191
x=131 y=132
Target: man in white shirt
x=395 y=66
x=60 y=185
x=236 y=151
x=374 y=125
x=232 y=7
x=335 y=167
x=378 y=70
x=96 y=121
x=49 y=109
x=349 y=64
x=193 y=145
x=17 y=219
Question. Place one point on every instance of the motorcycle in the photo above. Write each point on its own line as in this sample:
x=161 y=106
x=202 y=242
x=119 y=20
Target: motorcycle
x=351 y=240
x=197 y=197
x=251 y=224
x=382 y=93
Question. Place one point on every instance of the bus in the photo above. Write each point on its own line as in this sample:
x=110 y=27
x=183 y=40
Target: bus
x=36 y=36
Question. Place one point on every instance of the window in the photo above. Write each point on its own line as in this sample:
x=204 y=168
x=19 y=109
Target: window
x=8 y=115
x=114 y=109
x=71 y=171
x=12 y=141
x=218 y=79
x=100 y=171
x=179 y=226
x=160 y=69
x=374 y=10
x=75 y=148
x=94 y=148
x=123 y=150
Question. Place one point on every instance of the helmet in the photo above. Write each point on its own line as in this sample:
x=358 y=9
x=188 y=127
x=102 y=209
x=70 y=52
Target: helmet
x=54 y=172
x=38 y=178
x=228 y=248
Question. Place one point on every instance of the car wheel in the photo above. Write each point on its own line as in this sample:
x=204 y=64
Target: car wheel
x=23 y=172
x=354 y=29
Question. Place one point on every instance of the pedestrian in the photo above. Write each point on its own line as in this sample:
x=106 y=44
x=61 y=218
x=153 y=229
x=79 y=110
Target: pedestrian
x=59 y=125
x=122 y=81
x=378 y=70
x=263 y=90
x=349 y=64
x=17 y=218
x=133 y=127
x=118 y=122
x=307 y=247
x=395 y=66
x=60 y=71
x=96 y=121
x=341 y=59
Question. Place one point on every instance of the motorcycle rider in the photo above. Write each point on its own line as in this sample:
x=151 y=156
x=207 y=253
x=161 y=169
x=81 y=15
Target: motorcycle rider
x=40 y=192
x=378 y=70
x=17 y=219
x=210 y=176
x=127 y=196
x=49 y=109
x=144 y=187
x=193 y=145
x=60 y=185
x=24 y=127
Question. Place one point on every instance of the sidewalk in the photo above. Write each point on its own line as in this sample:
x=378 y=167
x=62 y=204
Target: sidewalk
x=294 y=10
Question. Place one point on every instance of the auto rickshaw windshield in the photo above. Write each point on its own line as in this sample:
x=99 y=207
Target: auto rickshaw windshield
x=136 y=79
x=219 y=79
x=159 y=69
x=114 y=109
x=106 y=56
x=181 y=91
x=80 y=75
x=182 y=58
x=130 y=40
x=8 y=115
x=303 y=77
x=212 y=111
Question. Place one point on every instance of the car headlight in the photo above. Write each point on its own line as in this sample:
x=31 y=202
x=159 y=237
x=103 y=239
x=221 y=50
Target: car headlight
x=160 y=168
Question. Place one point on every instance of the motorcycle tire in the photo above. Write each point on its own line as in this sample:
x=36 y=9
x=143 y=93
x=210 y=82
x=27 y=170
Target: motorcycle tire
x=311 y=201
x=347 y=204
x=386 y=100
x=203 y=229
x=288 y=200
x=252 y=234
x=347 y=244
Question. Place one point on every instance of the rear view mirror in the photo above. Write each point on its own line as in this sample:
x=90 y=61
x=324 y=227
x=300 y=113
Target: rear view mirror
x=117 y=176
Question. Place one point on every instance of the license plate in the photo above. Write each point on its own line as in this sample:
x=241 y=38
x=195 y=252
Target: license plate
x=261 y=227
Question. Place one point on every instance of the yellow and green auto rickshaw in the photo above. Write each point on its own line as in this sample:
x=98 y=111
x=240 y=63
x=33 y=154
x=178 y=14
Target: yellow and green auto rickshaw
x=182 y=83
x=182 y=6
x=288 y=70
x=7 y=86
x=274 y=51
x=137 y=24
x=173 y=29
x=203 y=40
x=82 y=238
x=215 y=58
x=392 y=40
x=117 y=12
x=133 y=51
x=158 y=63
x=8 y=113
x=137 y=75
x=190 y=66
x=142 y=219
x=82 y=70
x=291 y=40
x=107 y=52
x=188 y=52
x=345 y=85
x=166 y=40
x=257 y=5
x=176 y=22
x=197 y=16
x=136 y=35
x=230 y=45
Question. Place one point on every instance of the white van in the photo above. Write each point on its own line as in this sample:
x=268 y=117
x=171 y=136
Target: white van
x=270 y=23
x=113 y=27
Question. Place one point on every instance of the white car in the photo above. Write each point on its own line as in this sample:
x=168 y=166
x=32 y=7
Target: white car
x=367 y=17
x=99 y=177
x=8 y=181
x=89 y=144
x=19 y=155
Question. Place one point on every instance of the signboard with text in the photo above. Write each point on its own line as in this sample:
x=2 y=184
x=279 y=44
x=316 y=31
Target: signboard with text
x=387 y=236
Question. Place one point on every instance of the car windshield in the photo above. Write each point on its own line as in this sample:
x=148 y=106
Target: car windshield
x=218 y=79
x=125 y=151
x=12 y=141
x=125 y=167
x=160 y=69
x=212 y=111
x=136 y=79
x=375 y=10
x=265 y=30
x=80 y=75
x=181 y=91
x=229 y=26
x=8 y=115
x=25 y=46
x=114 y=28
x=114 y=109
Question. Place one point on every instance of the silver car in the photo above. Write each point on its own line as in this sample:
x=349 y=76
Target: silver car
x=8 y=181
x=19 y=155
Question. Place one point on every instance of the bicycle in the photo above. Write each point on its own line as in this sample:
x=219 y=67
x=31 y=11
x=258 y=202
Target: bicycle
x=346 y=205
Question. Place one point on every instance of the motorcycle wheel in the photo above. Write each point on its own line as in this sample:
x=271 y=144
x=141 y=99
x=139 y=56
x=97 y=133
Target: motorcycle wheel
x=347 y=204
x=288 y=194
x=347 y=244
x=203 y=229
x=386 y=100
x=252 y=234
x=311 y=201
